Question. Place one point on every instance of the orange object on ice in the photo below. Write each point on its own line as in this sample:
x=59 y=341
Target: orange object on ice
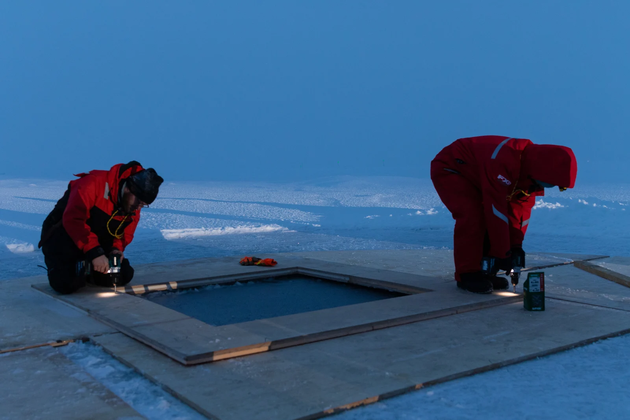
x=258 y=261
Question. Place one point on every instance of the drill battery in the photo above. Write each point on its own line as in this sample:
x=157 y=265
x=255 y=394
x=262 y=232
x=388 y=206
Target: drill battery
x=534 y=292
x=84 y=270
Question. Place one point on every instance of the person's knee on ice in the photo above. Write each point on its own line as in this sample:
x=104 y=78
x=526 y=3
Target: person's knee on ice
x=490 y=185
x=63 y=276
x=98 y=212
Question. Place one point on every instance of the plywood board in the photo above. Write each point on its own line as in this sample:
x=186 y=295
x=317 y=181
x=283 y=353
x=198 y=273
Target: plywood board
x=612 y=272
x=436 y=263
x=30 y=318
x=190 y=341
x=320 y=378
x=572 y=284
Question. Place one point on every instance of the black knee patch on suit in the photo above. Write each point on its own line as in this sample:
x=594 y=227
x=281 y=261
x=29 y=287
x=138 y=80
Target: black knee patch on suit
x=63 y=278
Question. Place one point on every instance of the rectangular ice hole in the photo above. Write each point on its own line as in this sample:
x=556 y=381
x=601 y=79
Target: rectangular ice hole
x=260 y=299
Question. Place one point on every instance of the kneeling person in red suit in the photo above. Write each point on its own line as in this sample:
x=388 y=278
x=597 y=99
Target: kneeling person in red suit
x=94 y=220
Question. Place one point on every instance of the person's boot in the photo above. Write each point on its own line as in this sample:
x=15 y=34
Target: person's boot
x=498 y=283
x=475 y=282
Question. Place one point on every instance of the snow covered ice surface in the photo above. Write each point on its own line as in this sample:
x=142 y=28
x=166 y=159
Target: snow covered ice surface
x=214 y=219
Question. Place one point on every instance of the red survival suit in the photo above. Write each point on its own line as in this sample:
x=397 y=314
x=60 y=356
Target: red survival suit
x=487 y=183
x=87 y=223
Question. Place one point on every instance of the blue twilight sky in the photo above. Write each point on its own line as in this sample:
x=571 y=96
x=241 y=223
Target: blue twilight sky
x=289 y=90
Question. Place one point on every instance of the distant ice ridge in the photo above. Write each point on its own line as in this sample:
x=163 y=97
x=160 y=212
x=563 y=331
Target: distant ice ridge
x=540 y=204
x=21 y=248
x=429 y=212
x=16 y=246
x=171 y=234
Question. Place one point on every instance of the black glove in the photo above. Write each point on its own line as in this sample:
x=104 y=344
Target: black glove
x=492 y=265
x=518 y=257
x=504 y=264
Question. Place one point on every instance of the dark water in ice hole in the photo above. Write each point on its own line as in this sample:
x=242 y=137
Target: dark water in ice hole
x=242 y=302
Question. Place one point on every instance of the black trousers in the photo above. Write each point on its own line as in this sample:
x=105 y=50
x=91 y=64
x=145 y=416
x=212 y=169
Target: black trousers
x=66 y=274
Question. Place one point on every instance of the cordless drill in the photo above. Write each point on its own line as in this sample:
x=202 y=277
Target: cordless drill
x=114 y=269
x=85 y=270
x=490 y=266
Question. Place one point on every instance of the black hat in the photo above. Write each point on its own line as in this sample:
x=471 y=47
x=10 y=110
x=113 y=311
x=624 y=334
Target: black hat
x=145 y=185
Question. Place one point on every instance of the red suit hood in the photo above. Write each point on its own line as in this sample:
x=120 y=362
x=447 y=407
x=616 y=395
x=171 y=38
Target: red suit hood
x=548 y=163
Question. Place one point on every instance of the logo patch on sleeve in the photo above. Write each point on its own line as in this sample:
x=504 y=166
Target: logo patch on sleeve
x=504 y=180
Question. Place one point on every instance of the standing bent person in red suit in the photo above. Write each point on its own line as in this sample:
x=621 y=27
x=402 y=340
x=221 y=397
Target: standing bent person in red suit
x=490 y=184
